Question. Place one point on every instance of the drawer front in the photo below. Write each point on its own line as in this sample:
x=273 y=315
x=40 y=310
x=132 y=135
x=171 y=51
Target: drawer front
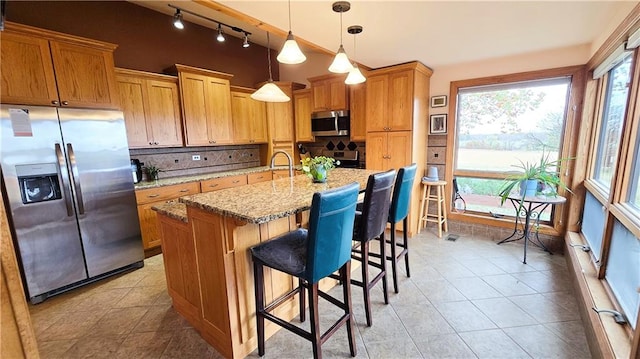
x=259 y=177
x=144 y=196
x=222 y=183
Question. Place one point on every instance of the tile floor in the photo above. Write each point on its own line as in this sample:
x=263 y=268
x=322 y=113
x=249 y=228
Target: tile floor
x=465 y=299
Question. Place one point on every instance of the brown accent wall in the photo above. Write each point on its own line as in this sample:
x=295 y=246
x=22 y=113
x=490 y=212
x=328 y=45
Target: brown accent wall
x=147 y=39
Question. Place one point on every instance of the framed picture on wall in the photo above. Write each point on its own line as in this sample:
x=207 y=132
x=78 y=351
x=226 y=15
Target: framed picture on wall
x=438 y=124
x=439 y=101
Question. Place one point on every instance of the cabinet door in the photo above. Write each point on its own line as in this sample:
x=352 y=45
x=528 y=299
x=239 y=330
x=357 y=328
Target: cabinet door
x=398 y=149
x=258 y=116
x=218 y=105
x=280 y=115
x=400 y=103
x=377 y=151
x=149 y=225
x=163 y=113
x=377 y=97
x=338 y=94
x=193 y=94
x=27 y=71
x=131 y=91
x=222 y=183
x=287 y=147
x=85 y=76
x=240 y=113
x=302 y=108
x=259 y=177
x=321 y=92
x=358 y=111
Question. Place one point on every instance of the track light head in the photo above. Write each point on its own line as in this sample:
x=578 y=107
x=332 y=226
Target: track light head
x=177 y=20
x=220 y=36
x=245 y=43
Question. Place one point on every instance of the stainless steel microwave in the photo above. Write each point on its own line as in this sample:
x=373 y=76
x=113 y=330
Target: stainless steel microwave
x=330 y=123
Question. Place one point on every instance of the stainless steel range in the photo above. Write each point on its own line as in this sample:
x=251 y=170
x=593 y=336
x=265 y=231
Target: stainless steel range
x=348 y=159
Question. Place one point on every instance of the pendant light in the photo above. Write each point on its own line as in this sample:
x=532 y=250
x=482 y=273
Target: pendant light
x=341 y=63
x=290 y=53
x=270 y=92
x=355 y=76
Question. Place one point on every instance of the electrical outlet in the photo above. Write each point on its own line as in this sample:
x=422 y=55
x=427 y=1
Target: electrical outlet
x=195 y=157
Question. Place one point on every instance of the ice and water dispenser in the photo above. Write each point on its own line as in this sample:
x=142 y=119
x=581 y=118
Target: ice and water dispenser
x=38 y=182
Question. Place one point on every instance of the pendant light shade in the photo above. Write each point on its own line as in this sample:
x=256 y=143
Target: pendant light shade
x=341 y=63
x=270 y=92
x=291 y=53
x=355 y=76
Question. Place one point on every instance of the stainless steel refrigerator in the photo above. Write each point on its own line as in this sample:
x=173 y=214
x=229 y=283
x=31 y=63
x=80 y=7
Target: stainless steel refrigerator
x=70 y=195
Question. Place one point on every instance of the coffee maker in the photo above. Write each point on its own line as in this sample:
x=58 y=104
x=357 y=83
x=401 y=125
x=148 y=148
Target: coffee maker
x=136 y=170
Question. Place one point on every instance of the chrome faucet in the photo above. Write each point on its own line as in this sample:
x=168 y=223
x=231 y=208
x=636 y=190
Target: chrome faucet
x=290 y=161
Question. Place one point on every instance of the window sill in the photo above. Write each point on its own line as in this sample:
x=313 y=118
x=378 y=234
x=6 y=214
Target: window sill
x=606 y=338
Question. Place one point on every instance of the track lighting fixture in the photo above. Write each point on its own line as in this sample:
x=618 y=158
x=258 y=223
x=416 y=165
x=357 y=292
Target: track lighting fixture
x=341 y=63
x=179 y=24
x=177 y=20
x=290 y=53
x=220 y=36
x=270 y=92
x=245 y=43
x=355 y=76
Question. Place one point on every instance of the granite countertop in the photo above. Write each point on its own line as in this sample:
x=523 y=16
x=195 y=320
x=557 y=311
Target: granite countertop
x=266 y=201
x=173 y=209
x=206 y=176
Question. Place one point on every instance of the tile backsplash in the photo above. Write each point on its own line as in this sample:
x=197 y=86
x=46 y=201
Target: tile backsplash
x=174 y=162
x=338 y=143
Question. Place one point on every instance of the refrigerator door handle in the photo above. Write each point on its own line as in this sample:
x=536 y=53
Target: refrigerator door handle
x=65 y=178
x=76 y=178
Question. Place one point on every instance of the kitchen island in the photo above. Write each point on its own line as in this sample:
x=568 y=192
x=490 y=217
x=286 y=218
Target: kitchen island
x=205 y=241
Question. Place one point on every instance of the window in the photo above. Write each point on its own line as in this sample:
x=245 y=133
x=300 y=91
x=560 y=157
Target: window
x=634 y=188
x=614 y=108
x=499 y=125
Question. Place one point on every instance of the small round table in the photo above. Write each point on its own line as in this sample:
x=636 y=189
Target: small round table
x=440 y=218
x=530 y=207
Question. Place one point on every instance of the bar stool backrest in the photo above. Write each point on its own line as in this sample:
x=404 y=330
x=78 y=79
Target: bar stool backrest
x=402 y=193
x=375 y=208
x=330 y=231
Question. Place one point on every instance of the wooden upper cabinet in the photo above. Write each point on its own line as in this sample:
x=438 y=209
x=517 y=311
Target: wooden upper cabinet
x=151 y=107
x=280 y=117
x=329 y=92
x=206 y=106
x=249 y=117
x=389 y=101
x=41 y=67
x=358 y=112
x=302 y=104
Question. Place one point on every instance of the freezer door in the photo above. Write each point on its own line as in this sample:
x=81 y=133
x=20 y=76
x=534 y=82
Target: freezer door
x=98 y=156
x=39 y=198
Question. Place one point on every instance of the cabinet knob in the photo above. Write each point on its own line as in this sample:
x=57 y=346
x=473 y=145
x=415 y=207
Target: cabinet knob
x=184 y=190
x=155 y=143
x=213 y=185
x=150 y=143
x=153 y=195
x=236 y=181
x=65 y=103
x=54 y=102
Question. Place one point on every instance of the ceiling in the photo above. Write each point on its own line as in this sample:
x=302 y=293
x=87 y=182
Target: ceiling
x=437 y=33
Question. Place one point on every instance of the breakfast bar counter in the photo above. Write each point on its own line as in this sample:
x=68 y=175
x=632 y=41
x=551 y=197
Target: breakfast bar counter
x=207 y=260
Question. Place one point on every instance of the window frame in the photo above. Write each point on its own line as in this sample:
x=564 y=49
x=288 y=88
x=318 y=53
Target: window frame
x=567 y=145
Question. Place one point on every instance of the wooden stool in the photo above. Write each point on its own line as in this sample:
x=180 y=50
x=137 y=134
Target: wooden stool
x=441 y=217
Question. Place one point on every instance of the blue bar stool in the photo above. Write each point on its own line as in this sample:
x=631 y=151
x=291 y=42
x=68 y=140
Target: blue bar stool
x=311 y=255
x=371 y=221
x=399 y=211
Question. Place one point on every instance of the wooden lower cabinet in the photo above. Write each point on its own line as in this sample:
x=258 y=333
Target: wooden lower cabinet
x=387 y=150
x=179 y=253
x=259 y=177
x=227 y=316
x=147 y=198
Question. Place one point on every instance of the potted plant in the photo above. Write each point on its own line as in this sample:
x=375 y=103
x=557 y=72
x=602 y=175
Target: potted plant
x=318 y=167
x=536 y=177
x=152 y=172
